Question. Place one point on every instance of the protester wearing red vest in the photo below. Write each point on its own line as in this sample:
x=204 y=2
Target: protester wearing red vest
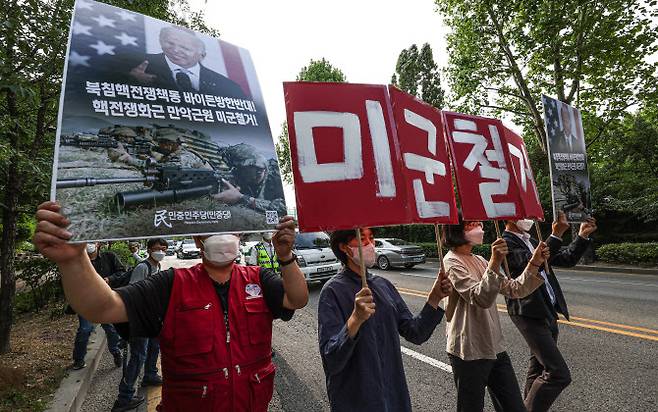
x=214 y=320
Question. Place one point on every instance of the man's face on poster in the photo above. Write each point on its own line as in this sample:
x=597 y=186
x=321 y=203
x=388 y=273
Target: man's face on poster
x=252 y=175
x=566 y=120
x=182 y=48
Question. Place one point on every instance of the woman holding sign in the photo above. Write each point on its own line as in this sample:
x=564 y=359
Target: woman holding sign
x=475 y=341
x=359 y=331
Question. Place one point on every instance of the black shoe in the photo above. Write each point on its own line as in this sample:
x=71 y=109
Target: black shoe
x=156 y=381
x=118 y=359
x=77 y=365
x=121 y=406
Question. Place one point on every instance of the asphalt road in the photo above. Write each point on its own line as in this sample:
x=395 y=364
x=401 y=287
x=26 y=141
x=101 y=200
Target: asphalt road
x=611 y=346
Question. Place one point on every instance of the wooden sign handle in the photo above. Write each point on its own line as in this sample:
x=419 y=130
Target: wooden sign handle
x=362 y=265
x=505 y=264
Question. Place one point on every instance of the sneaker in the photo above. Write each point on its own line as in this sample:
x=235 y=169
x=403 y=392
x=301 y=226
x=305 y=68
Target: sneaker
x=77 y=365
x=118 y=359
x=121 y=406
x=154 y=381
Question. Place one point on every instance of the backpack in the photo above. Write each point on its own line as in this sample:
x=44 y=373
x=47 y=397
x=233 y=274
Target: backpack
x=122 y=279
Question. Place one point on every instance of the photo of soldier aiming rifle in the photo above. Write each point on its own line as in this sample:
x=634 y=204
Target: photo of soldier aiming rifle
x=176 y=165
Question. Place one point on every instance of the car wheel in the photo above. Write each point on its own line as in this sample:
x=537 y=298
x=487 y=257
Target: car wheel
x=383 y=263
x=409 y=265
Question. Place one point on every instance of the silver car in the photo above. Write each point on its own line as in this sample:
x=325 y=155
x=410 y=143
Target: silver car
x=397 y=252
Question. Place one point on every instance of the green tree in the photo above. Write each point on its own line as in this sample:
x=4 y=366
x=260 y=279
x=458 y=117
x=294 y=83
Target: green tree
x=505 y=54
x=316 y=71
x=417 y=73
x=33 y=38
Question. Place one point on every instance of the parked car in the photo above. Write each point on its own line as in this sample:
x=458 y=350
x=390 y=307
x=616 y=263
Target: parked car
x=188 y=250
x=315 y=257
x=171 y=248
x=397 y=252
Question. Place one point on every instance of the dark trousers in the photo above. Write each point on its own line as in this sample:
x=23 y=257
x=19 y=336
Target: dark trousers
x=548 y=373
x=143 y=351
x=82 y=339
x=472 y=377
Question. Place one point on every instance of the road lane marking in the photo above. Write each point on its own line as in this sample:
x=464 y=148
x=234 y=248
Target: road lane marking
x=620 y=331
x=616 y=282
x=426 y=359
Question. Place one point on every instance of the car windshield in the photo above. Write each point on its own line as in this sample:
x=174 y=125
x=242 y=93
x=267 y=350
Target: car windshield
x=397 y=242
x=313 y=240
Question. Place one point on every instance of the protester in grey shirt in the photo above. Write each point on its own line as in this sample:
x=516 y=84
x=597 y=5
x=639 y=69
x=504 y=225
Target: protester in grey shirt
x=143 y=351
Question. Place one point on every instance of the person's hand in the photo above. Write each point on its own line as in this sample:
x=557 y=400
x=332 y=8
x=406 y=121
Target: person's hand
x=51 y=236
x=139 y=73
x=284 y=237
x=499 y=250
x=364 y=305
x=560 y=225
x=231 y=195
x=541 y=254
x=587 y=228
x=441 y=288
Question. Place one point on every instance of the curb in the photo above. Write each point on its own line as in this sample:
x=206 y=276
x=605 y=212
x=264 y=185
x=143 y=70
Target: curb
x=594 y=268
x=73 y=389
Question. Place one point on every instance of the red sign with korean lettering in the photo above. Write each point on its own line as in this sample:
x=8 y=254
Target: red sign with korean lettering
x=485 y=179
x=525 y=180
x=425 y=162
x=344 y=156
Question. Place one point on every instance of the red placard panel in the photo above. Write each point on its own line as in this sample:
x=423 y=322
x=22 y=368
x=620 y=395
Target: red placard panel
x=525 y=179
x=485 y=179
x=344 y=158
x=425 y=162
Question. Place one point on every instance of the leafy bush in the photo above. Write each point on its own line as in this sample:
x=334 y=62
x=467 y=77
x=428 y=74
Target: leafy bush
x=42 y=279
x=431 y=251
x=629 y=253
x=124 y=254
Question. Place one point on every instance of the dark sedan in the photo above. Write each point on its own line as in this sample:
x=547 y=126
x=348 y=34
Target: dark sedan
x=397 y=252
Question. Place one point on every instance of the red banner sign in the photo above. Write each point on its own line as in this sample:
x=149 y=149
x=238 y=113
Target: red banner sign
x=525 y=180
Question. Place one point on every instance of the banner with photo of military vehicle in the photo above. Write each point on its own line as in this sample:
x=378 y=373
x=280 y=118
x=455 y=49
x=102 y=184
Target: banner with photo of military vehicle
x=162 y=131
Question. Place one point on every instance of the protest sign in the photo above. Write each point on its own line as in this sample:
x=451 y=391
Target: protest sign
x=525 y=179
x=162 y=131
x=362 y=157
x=485 y=178
x=570 y=183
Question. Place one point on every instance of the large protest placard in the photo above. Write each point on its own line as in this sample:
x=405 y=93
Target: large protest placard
x=486 y=182
x=570 y=183
x=362 y=157
x=525 y=179
x=162 y=131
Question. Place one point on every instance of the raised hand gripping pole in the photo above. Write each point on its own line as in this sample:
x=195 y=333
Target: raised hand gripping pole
x=362 y=265
x=505 y=264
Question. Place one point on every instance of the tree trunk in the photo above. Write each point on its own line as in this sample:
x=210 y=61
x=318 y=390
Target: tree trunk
x=7 y=251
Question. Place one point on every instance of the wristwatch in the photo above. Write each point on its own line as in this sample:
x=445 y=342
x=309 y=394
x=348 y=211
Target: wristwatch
x=286 y=262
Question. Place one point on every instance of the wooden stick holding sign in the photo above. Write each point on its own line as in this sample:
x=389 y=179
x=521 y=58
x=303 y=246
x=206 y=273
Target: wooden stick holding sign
x=541 y=239
x=505 y=264
x=362 y=265
x=439 y=247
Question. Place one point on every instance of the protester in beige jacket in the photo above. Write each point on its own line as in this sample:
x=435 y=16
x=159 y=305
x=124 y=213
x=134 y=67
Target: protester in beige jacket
x=475 y=343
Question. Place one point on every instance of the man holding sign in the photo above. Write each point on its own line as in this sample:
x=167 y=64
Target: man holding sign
x=359 y=330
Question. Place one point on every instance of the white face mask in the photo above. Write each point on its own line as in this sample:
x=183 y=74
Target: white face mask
x=267 y=236
x=369 y=255
x=474 y=236
x=525 y=224
x=158 y=255
x=221 y=250
x=91 y=248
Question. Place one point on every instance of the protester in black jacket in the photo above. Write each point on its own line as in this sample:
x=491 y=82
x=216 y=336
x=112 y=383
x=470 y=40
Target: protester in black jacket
x=535 y=316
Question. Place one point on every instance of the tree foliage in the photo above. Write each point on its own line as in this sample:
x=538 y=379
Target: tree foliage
x=316 y=71
x=417 y=73
x=593 y=54
x=33 y=38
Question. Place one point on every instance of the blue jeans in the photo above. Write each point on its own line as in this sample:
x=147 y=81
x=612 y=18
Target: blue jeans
x=143 y=351
x=82 y=339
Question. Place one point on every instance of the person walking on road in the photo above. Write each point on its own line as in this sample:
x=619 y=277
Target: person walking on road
x=475 y=343
x=536 y=315
x=213 y=320
x=143 y=351
x=264 y=254
x=105 y=264
x=359 y=331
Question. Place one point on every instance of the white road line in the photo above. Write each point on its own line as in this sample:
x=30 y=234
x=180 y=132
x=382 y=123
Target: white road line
x=427 y=359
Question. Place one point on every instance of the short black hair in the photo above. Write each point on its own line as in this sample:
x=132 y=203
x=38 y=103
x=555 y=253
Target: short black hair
x=157 y=241
x=453 y=235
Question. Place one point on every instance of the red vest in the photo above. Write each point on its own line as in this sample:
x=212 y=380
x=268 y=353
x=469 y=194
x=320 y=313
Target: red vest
x=205 y=368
